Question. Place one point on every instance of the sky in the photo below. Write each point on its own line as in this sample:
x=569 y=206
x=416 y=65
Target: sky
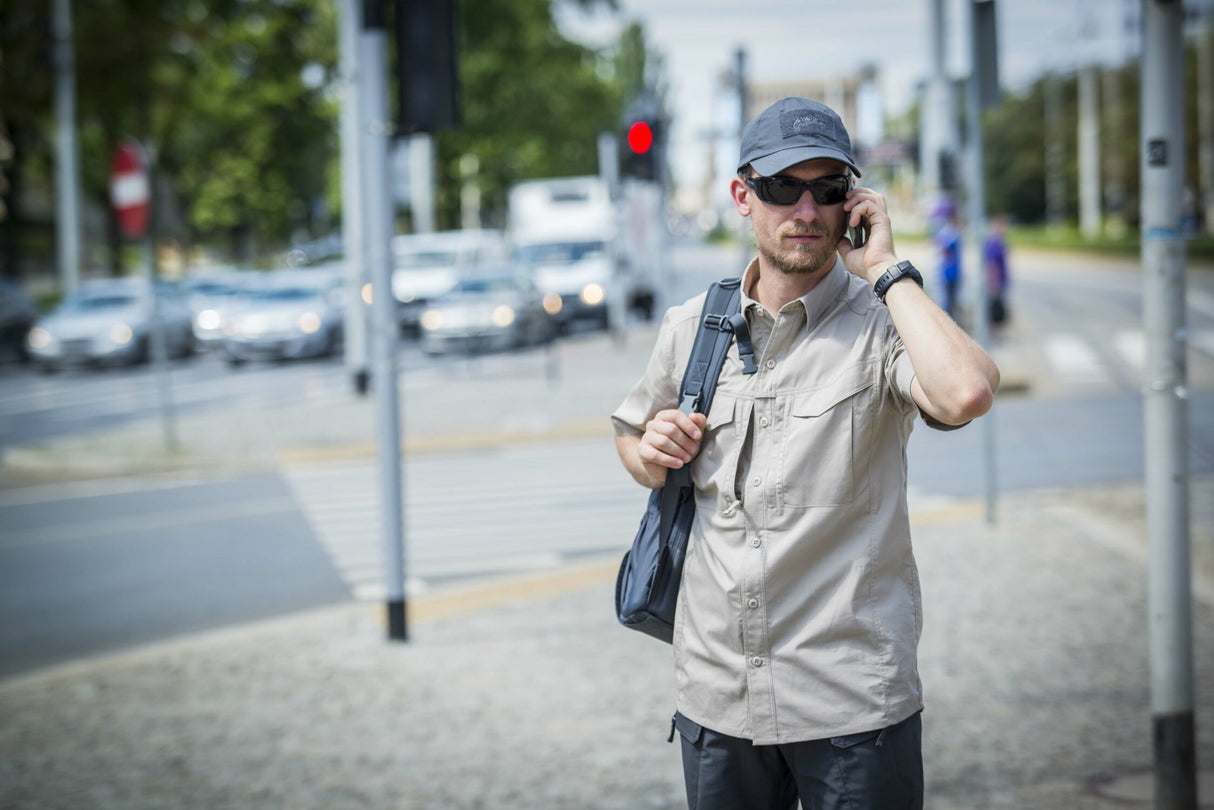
x=785 y=40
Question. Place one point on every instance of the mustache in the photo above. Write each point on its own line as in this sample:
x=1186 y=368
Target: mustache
x=805 y=230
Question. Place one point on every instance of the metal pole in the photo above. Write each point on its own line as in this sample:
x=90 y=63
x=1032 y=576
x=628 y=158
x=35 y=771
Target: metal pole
x=977 y=229
x=1205 y=115
x=609 y=173
x=352 y=220
x=1089 y=152
x=1165 y=401
x=377 y=129
x=421 y=182
x=67 y=161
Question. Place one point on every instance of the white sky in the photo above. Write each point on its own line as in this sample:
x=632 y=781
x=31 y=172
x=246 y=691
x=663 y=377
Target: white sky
x=786 y=40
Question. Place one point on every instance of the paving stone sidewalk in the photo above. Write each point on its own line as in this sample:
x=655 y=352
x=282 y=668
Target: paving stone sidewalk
x=525 y=694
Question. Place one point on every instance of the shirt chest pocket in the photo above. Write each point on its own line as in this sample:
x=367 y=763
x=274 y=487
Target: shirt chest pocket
x=825 y=427
x=713 y=467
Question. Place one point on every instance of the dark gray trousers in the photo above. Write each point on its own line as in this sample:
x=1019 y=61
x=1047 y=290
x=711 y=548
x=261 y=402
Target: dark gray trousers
x=873 y=770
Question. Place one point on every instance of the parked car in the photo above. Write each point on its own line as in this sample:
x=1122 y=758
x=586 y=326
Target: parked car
x=427 y=265
x=211 y=298
x=109 y=322
x=293 y=314
x=493 y=309
x=17 y=315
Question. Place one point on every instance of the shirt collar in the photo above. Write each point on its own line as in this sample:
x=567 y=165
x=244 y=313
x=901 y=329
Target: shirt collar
x=816 y=302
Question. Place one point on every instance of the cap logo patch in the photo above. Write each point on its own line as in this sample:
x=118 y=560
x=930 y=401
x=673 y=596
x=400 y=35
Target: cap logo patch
x=805 y=122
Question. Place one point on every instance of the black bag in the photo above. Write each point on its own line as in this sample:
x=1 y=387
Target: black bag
x=647 y=587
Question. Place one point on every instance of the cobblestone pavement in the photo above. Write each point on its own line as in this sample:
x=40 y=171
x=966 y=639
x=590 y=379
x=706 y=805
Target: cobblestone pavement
x=526 y=694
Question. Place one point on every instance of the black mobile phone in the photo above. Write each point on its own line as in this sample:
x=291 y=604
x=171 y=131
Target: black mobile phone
x=859 y=235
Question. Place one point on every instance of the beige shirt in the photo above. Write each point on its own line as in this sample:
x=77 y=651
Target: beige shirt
x=799 y=613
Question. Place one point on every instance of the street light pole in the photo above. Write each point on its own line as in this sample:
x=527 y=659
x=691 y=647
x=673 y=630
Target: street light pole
x=67 y=158
x=1165 y=406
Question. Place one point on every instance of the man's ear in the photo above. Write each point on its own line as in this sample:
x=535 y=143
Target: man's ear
x=741 y=196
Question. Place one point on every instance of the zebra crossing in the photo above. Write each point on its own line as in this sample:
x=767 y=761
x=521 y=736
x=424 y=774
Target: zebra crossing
x=1076 y=360
x=470 y=514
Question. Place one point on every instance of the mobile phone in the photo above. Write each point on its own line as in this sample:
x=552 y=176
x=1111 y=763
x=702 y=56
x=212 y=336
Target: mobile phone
x=859 y=235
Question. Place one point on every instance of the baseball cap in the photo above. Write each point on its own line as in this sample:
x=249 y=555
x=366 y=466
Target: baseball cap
x=791 y=131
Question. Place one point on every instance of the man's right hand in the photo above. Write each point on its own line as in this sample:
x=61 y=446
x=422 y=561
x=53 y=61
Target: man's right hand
x=671 y=439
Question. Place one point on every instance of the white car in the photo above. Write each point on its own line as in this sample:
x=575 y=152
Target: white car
x=211 y=298
x=109 y=322
x=427 y=265
x=292 y=315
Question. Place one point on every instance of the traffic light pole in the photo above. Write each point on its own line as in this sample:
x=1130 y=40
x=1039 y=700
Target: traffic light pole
x=1165 y=406
x=376 y=131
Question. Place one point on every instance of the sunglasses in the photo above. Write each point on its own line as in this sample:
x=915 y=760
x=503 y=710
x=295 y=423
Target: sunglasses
x=830 y=190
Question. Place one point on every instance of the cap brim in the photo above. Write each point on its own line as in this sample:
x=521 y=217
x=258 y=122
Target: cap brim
x=779 y=161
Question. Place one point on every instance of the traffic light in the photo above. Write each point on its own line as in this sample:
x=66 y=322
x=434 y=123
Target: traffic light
x=642 y=149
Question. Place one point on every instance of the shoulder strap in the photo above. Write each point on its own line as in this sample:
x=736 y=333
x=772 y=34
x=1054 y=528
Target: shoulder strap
x=720 y=321
x=718 y=327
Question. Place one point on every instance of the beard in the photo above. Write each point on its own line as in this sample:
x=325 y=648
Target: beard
x=797 y=259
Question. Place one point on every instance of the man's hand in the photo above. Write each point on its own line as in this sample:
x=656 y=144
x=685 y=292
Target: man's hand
x=671 y=439
x=871 y=260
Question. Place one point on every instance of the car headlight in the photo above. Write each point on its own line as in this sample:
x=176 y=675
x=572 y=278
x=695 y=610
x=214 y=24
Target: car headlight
x=552 y=303
x=39 y=338
x=309 y=322
x=120 y=334
x=593 y=295
x=502 y=316
x=431 y=319
x=208 y=319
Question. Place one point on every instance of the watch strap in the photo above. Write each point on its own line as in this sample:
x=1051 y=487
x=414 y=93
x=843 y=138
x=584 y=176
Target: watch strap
x=901 y=270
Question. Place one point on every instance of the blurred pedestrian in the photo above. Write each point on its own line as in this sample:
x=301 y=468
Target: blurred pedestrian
x=799 y=613
x=994 y=260
x=948 y=252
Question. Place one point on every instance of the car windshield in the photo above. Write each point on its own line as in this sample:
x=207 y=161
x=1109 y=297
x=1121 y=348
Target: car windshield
x=429 y=258
x=285 y=294
x=96 y=303
x=482 y=286
x=562 y=252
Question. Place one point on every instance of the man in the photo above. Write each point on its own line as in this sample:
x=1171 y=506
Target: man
x=799 y=616
x=948 y=246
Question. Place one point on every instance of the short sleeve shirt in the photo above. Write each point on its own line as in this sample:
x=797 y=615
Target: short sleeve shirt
x=799 y=613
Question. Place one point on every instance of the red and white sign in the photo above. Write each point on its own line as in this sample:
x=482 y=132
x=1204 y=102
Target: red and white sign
x=130 y=191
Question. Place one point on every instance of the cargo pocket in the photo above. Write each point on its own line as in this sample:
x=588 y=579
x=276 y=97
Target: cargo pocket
x=717 y=447
x=820 y=454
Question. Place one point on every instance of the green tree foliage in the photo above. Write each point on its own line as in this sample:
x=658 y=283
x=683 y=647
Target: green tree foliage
x=533 y=102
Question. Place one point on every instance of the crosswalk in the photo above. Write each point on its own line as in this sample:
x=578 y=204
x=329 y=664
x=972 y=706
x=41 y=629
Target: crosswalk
x=516 y=508
x=1076 y=360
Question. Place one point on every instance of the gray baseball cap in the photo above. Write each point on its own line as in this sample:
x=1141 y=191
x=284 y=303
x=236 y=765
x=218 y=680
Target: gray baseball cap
x=791 y=131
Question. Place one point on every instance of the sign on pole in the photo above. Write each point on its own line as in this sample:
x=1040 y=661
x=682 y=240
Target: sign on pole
x=130 y=191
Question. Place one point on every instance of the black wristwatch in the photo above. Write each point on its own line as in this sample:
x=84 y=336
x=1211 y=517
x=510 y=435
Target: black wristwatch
x=899 y=271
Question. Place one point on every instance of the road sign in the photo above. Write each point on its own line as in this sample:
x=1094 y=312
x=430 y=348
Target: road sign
x=130 y=191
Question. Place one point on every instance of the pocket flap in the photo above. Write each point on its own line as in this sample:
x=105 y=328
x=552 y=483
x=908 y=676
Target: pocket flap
x=851 y=740
x=690 y=730
x=815 y=403
x=721 y=412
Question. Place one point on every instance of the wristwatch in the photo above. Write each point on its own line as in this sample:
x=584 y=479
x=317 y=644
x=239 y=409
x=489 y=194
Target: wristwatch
x=899 y=271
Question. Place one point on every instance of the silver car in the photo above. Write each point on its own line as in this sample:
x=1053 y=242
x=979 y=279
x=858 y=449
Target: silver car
x=491 y=310
x=211 y=298
x=427 y=265
x=292 y=315
x=109 y=322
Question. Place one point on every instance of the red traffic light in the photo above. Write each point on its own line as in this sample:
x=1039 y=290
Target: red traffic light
x=640 y=137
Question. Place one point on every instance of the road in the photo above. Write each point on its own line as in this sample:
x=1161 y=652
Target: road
x=91 y=566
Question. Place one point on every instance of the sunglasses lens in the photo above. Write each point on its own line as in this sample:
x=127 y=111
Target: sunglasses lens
x=788 y=190
x=829 y=190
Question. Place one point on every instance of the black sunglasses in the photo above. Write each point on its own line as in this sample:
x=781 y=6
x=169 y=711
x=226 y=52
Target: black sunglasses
x=830 y=190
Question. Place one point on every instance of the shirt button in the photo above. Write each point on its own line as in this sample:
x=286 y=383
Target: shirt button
x=756 y=542
x=754 y=482
x=752 y=604
x=763 y=421
x=771 y=363
x=756 y=662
